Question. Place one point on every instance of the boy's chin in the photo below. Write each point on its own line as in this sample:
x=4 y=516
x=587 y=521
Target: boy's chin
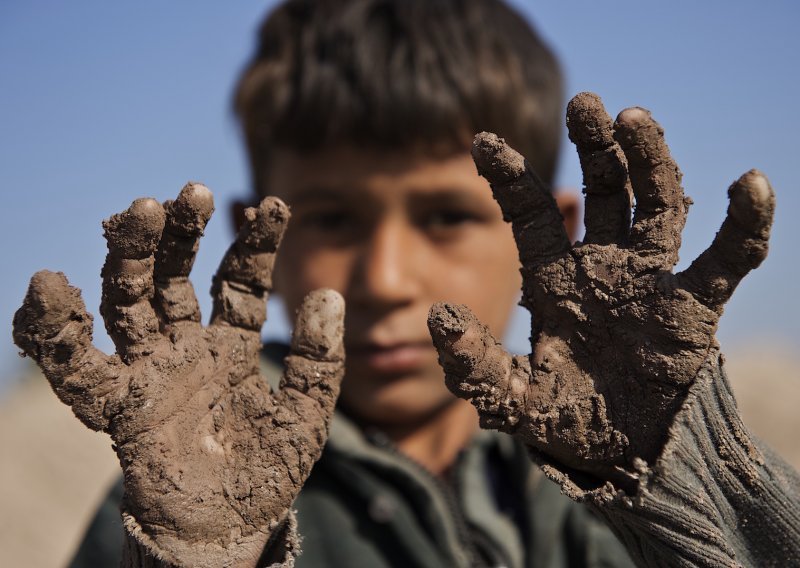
x=406 y=402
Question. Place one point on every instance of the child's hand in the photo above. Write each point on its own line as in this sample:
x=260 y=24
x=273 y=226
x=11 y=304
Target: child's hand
x=212 y=459
x=617 y=337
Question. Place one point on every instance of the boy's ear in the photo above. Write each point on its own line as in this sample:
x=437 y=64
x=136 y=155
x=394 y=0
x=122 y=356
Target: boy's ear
x=237 y=214
x=569 y=203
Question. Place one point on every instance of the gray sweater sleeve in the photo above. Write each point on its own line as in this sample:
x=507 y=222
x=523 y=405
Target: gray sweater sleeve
x=715 y=496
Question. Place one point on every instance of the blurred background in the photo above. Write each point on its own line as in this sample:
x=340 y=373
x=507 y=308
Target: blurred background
x=103 y=102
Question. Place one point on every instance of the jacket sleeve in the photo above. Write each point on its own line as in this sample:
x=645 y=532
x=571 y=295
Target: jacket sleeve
x=715 y=496
x=280 y=552
x=108 y=543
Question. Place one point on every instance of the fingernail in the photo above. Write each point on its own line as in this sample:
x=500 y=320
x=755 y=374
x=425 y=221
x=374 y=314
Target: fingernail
x=135 y=232
x=192 y=209
x=752 y=201
x=632 y=117
x=319 y=328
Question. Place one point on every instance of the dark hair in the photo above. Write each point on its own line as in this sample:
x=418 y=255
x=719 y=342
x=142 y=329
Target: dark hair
x=399 y=73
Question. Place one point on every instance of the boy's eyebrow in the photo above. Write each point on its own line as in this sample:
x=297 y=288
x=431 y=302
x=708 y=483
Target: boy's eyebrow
x=421 y=195
x=446 y=195
x=316 y=192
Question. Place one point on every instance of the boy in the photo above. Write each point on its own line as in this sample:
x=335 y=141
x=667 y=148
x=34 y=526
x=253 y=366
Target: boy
x=360 y=116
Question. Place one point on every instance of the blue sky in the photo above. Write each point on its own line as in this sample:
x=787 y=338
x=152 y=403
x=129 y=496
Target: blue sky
x=102 y=102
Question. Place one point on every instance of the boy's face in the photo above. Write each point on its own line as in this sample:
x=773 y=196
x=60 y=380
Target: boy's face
x=393 y=232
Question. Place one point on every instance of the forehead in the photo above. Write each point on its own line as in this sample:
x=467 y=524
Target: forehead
x=349 y=170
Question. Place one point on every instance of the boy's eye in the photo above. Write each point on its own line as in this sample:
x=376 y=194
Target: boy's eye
x=447 y=218
x=329 y=221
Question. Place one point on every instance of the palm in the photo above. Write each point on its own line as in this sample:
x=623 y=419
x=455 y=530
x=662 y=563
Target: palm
x=192 y=420
x=614 y=367
x=211 y=428
x=617 y=338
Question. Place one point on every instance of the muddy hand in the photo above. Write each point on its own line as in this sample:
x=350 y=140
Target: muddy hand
x=212 y=459
x=617 y=338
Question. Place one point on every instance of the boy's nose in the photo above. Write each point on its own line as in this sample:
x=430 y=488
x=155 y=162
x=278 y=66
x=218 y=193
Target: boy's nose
x=389 y=266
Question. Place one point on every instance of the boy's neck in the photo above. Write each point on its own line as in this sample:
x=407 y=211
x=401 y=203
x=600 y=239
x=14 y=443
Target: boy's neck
x=436 y=442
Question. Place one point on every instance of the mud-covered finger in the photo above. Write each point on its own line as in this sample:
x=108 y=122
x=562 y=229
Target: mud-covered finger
x=476 y=366
x=55 y=330
x=607 y=211
x=740 y=245
x=186 y=219
x=126 y=306
x=244 y=278
x=315 y=364
x=524 y=199
x=661 y=207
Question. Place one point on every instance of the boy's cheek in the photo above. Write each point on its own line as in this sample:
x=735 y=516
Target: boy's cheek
x=488 y=281
x=481 y=270
x=302 y=267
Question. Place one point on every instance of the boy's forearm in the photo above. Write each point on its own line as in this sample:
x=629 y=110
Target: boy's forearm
x=713 y=498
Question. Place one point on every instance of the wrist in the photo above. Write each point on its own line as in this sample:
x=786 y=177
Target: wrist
x=710 y=498
x=707 y=416
x=146 y=547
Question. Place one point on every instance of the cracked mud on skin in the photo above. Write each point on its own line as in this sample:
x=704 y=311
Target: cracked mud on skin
x=617 y=341
x=617 y=338
x=191 y=418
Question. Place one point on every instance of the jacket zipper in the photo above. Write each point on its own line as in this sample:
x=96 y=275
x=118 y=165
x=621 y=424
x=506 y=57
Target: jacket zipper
x=463 y=532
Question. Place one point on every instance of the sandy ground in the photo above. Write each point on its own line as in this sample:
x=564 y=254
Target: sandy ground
x=766 y=381
x=54 y=471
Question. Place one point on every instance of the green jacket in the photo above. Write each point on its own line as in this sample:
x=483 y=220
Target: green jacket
x=367 y=505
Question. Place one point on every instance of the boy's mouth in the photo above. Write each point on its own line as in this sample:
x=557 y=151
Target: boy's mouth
x=391 y=358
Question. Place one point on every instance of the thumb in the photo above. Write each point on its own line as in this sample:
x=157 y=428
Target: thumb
x=477 y=367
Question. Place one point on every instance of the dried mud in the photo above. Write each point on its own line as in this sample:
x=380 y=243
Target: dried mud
x=617 y=338
x=191 y=419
